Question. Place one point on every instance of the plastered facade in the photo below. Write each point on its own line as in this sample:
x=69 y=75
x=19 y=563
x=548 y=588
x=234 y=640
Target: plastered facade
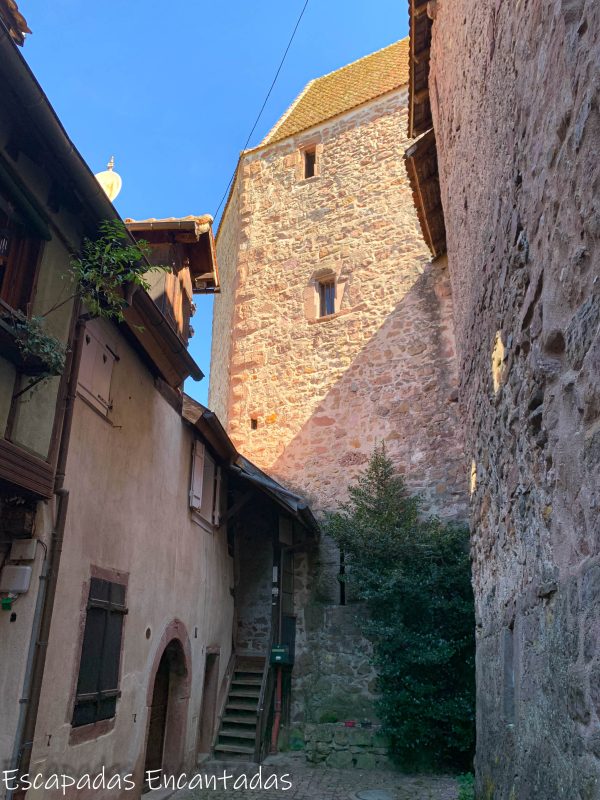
x=129 y=520
x=515 y=97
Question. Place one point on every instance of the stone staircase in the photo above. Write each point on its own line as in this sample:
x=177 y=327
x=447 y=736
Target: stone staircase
x=236 y=739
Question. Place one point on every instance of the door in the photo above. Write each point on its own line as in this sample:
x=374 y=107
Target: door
x=209 y=703
x=158 y=717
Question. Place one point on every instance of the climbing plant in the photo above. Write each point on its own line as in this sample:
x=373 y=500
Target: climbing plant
x=103 y=275
x=413 y=573
x=108 y=268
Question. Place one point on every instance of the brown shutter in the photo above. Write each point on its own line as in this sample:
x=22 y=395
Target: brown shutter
x=197 y=480
x=98 y=680
x=208 y=489
x=218 y=499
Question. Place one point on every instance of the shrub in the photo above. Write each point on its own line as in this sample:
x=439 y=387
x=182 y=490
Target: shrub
x=466 y=787
x=414 y=575
x=107 y=267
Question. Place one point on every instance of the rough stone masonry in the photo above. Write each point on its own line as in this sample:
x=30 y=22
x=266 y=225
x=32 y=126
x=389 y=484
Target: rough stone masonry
x=516 y=106
x=307 y=397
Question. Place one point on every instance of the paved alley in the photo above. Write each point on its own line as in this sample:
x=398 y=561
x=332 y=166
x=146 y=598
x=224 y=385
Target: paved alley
x=315 y=783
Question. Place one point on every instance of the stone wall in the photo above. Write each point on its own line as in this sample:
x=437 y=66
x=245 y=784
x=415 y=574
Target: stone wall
x=324 y=392
x=340 y=747
x=224 y=304
x=516 y=109
x=308 y=398
x=253 y=581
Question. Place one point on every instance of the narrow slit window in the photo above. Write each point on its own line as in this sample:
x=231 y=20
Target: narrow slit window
x=310 y=162
x=326 y=298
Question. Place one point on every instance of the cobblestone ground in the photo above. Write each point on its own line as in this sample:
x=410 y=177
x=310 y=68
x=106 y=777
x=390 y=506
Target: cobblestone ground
x=317 y=783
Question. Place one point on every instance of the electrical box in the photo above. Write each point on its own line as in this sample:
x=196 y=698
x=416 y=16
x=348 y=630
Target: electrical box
x=23 y=550
x=280 y=654
x=15 y=579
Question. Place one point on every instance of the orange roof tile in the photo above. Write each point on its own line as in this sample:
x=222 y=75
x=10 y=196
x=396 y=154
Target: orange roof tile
x=344 y=89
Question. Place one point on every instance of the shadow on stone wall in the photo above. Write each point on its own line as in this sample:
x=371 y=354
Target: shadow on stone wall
x=401 y=390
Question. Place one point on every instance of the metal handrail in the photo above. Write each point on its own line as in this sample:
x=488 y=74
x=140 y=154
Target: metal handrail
x=263 y=695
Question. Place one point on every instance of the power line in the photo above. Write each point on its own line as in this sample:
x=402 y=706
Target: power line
x=262 y=108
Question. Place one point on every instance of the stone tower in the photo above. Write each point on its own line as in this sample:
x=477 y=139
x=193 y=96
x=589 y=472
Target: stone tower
x=333 y=331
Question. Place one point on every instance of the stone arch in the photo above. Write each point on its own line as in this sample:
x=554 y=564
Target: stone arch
x=172 y=656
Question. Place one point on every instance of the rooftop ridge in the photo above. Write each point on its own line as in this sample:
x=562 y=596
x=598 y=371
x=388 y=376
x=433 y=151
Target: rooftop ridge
x=330 y=95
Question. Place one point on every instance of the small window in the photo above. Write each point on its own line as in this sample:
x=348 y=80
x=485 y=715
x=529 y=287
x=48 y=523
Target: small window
x=205 y=485
x=310 y=161
x=95 y=372
x=98 y=681
x=18 y=259
x=253 y=424
x=326 y=298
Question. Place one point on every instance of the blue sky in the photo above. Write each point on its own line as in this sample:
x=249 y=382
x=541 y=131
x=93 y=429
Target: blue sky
x=172 y=89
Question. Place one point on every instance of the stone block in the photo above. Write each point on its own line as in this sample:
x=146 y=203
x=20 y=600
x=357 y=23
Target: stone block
x=366 y=761
x=341 y=759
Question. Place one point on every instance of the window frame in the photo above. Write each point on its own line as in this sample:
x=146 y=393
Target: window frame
x=102 y=694
x=326 y=291
x=309 y=154
x=21 y=264
x=205 y=487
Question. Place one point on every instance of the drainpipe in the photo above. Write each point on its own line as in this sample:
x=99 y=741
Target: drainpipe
x=277 y=720
x=32 y=687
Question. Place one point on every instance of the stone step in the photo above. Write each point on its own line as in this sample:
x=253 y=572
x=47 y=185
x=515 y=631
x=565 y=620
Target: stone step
x=250 y=681
x=252 y=692
x=238 y=733
x=231 y=749
x=239 y=705
x=239 y=719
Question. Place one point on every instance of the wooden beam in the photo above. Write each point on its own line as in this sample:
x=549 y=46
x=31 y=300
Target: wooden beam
x=237 y=506
x=421 y=95
x=422 y=55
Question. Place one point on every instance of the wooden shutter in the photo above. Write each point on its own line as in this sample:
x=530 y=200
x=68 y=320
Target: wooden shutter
x=98 y=680
x=197 y=481
x=218 y=499
x=96 y=369
x=208 y=489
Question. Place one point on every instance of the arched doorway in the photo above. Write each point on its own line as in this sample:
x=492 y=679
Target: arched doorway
x=168 y=697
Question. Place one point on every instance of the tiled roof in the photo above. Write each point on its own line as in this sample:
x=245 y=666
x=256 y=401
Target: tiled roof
x=344 y=89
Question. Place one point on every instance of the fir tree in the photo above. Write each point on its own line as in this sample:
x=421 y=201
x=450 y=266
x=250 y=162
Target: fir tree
x=414 y=575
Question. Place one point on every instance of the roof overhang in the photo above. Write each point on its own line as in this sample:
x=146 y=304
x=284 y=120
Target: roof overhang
x=154 y=333
x=422 y=168
x=419 y=104
x=14 y=21
x=37 y=131
x=208 y=425
x=195 y=234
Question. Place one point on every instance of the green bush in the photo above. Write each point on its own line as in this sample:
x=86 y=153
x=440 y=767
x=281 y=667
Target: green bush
x=107 y=266
x=328 y=716
x=466 y=787
x=414 y=575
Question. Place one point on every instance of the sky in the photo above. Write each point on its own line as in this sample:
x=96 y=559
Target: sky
x=172 y=89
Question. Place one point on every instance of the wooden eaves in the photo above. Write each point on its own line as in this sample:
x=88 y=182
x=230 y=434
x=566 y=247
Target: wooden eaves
x=195 y=234
x=419 y=105
x=422 y=168
x=15 y=22
x=421 y=157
